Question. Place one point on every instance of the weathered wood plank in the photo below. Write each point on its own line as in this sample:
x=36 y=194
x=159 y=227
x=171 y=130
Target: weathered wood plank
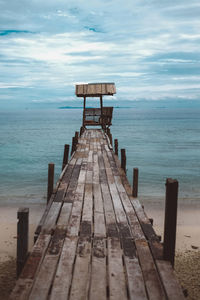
x=151 y=278
x=63 y=277
x=42 y=284
x=116 y=274
x=50 y=221
x=170 y=282
x=98 y=286
x=25 y=281
x=82 y=270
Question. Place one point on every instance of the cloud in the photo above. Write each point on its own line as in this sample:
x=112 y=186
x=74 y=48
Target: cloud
x=148 y=48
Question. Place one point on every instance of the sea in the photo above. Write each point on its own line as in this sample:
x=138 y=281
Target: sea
x=161 y=138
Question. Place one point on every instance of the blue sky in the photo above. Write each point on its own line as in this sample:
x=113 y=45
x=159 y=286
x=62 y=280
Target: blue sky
x=149 y=48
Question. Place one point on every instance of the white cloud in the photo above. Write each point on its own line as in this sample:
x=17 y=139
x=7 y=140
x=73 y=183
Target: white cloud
x=143 y=44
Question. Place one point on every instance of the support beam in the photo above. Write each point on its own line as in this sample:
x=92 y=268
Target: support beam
x=22 y=238
x=170 y=219
x=50 y=181
x=65 y=156
x=135 y=182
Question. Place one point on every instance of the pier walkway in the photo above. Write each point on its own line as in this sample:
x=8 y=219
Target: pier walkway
x=94 y=240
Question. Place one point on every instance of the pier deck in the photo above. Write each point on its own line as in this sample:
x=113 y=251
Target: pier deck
x=94 y=239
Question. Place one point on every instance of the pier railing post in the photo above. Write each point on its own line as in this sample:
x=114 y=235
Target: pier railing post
x=65 y=156
x=81 y=130
x=22 y=238
x=73 y=145
x=170 y=219
x=123 y=159
x=135 y=182
x=116 y=146
x=50 y=181
x=110 y=138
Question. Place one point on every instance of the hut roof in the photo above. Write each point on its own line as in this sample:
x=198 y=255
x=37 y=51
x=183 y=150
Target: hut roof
x=95 y=89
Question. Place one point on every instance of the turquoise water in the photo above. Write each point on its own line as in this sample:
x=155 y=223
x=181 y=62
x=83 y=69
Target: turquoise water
x=161 y=138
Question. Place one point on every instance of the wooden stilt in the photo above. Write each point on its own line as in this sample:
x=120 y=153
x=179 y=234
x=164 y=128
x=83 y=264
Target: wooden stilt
x=22 y=238
x=170 y=219
x=110 y=138
x=73 y=145
x=135 y=182
x=81 y=130
x=50 y=181
x=116 y=146
x=65 y=156
x=123 y=159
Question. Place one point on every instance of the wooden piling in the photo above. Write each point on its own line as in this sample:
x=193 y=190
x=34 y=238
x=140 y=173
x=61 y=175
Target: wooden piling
x=50 y=181
x=110 y=138
x=116 y=146
x=81 y=130
x=123 y=159
x=22 y=238
x=73 y=148
x=170 y=219
x=135 y=182
x=65 y=156
x=76 y=136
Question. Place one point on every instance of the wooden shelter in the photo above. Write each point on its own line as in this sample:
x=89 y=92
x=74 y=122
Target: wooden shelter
x=101 y=116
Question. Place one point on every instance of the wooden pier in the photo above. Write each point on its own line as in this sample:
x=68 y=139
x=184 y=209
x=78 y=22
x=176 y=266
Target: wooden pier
x=94 y=240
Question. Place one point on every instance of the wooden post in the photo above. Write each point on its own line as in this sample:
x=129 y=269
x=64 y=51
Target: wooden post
x=81 y=130
x=73 y=145
x=116 y=146
x=123 y=159
x=50 y=181
x=84 y=110
x=101 y=105
x=135 y=182
x=65 y=156
x=76 y=137
x=110 y=138
x=22 y=238
x=170 y=219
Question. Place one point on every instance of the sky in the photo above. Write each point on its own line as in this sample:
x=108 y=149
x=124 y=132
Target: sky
x=149 y=48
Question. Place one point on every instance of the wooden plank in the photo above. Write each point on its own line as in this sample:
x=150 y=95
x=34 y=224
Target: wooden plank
x=50 y=221
x=151 y=278
x=64 y=216
x=25 y=281
x=82 y=269
x=87 y=213
x=98 y=286
x=171 y=284
x=74 y=222
x=135 y=279
x=63 y=277
x=116 y=274
x=43 y=282
x=69 y=196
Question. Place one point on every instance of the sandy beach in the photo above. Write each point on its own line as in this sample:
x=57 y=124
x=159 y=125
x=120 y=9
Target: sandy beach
x=187 y=264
